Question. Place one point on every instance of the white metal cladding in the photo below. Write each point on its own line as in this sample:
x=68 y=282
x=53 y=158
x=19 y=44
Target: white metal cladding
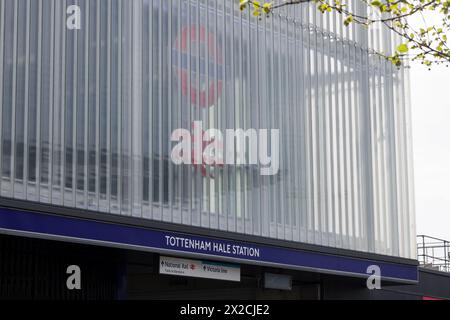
x=86 y=117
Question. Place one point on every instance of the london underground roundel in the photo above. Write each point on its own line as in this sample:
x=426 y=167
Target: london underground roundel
x=195 y=39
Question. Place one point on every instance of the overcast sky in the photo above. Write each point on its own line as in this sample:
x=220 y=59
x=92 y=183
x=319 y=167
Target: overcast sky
x=431 y=139
x=430 y=91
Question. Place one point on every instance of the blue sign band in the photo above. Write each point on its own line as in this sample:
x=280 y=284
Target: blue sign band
x=54 y=226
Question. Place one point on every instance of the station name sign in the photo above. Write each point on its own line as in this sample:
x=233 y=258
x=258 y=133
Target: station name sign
x=211 y=246
x=52 y=226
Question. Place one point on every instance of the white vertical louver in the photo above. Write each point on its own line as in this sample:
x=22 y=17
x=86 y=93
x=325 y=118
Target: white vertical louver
x=86 y=117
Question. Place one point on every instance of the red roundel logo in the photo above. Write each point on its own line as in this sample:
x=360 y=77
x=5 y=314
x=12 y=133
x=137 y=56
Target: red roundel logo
x=199 y=41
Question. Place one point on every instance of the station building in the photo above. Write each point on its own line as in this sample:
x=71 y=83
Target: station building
x=87 y=175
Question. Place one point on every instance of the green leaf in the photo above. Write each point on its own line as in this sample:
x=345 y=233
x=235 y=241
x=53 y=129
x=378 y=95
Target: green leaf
x=323 y=7
x=348 y=20
x=267 y=7
x=403 y=48
x=243 y=4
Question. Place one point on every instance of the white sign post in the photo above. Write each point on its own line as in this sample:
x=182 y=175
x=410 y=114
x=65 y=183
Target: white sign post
x=199 y=269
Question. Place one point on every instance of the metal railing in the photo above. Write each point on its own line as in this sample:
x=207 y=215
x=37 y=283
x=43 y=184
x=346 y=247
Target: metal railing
x=433 y=253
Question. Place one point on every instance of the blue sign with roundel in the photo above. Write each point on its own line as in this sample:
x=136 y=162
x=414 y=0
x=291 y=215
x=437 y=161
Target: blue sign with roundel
x=37 y=224
x=196 y=50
